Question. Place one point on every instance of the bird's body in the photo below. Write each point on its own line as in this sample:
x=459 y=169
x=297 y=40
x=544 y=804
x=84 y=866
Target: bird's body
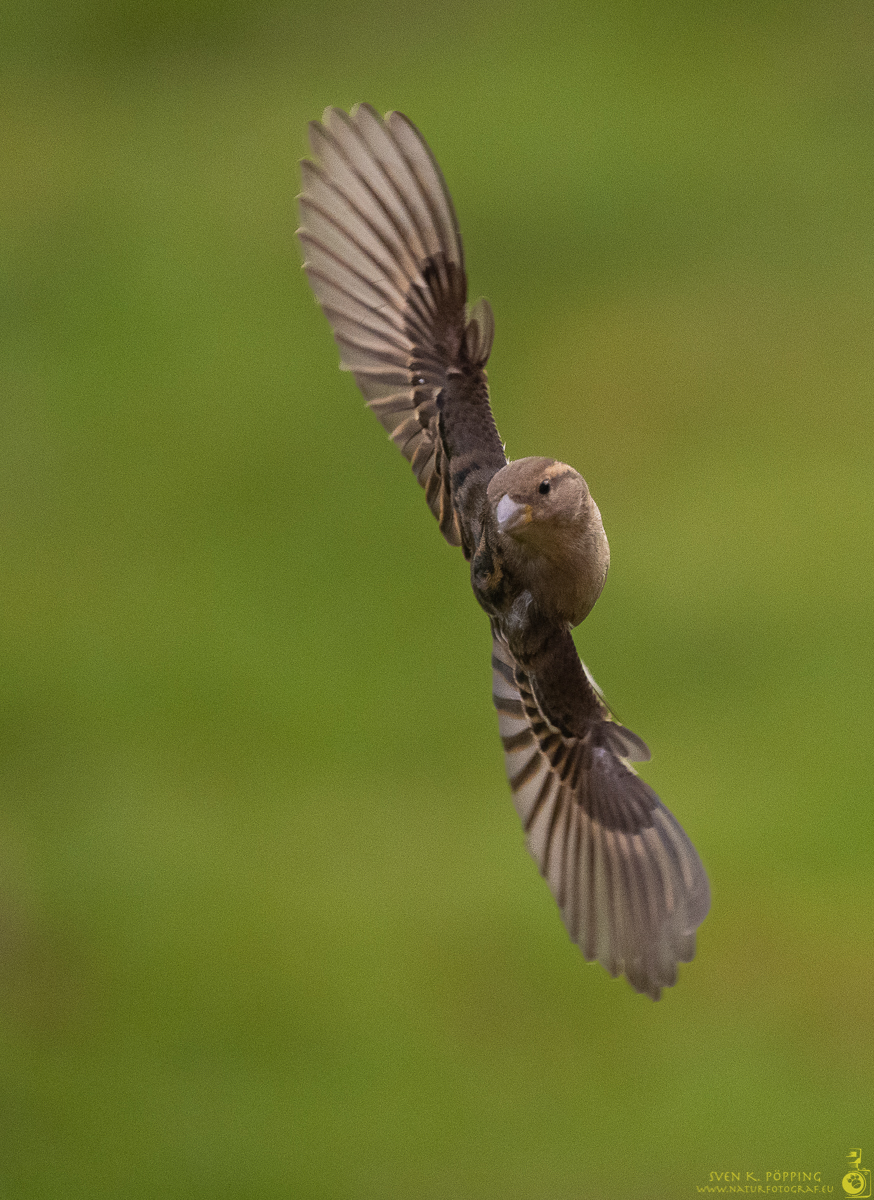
x=548 y=533
x=385 y=259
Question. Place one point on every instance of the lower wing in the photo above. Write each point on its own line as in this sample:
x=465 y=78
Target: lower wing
x=629 y=883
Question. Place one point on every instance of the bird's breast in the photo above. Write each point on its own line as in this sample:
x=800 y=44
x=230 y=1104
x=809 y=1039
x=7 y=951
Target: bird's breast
x=573 y=582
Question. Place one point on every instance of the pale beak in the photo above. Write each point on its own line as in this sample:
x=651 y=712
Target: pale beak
x=511 y=515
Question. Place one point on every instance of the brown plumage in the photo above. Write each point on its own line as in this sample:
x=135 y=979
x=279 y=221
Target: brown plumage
x=385 y=260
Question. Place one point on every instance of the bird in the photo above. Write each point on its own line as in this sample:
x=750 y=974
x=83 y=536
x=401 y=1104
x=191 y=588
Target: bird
x=384 y=257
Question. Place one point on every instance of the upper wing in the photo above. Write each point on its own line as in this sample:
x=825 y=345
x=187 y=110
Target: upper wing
x=630 y=886
x=384 y=257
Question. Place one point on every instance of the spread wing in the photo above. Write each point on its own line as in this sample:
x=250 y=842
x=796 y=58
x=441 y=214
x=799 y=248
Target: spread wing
x=630 y=886
x=385 y=260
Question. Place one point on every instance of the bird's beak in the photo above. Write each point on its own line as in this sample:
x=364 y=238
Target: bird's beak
x=511 y=515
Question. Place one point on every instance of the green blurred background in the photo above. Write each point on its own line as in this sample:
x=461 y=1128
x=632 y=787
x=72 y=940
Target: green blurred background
x=267 y=924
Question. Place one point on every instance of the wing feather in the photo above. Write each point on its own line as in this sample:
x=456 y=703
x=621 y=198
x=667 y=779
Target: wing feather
x=630 y=886
x=385 y=261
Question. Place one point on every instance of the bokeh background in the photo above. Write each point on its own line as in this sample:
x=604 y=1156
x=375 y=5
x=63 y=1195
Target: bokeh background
x=267 y=924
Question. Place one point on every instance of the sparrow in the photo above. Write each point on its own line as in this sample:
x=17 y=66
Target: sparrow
x=384 y=257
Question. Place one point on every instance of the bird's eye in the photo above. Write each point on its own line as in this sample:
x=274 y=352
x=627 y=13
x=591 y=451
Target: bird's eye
x=544 y=487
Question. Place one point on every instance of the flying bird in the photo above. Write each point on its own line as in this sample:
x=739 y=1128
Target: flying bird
x=384 y=257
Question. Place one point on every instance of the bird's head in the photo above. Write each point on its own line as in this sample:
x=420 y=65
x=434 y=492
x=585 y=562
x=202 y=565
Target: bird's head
x=534 y=499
